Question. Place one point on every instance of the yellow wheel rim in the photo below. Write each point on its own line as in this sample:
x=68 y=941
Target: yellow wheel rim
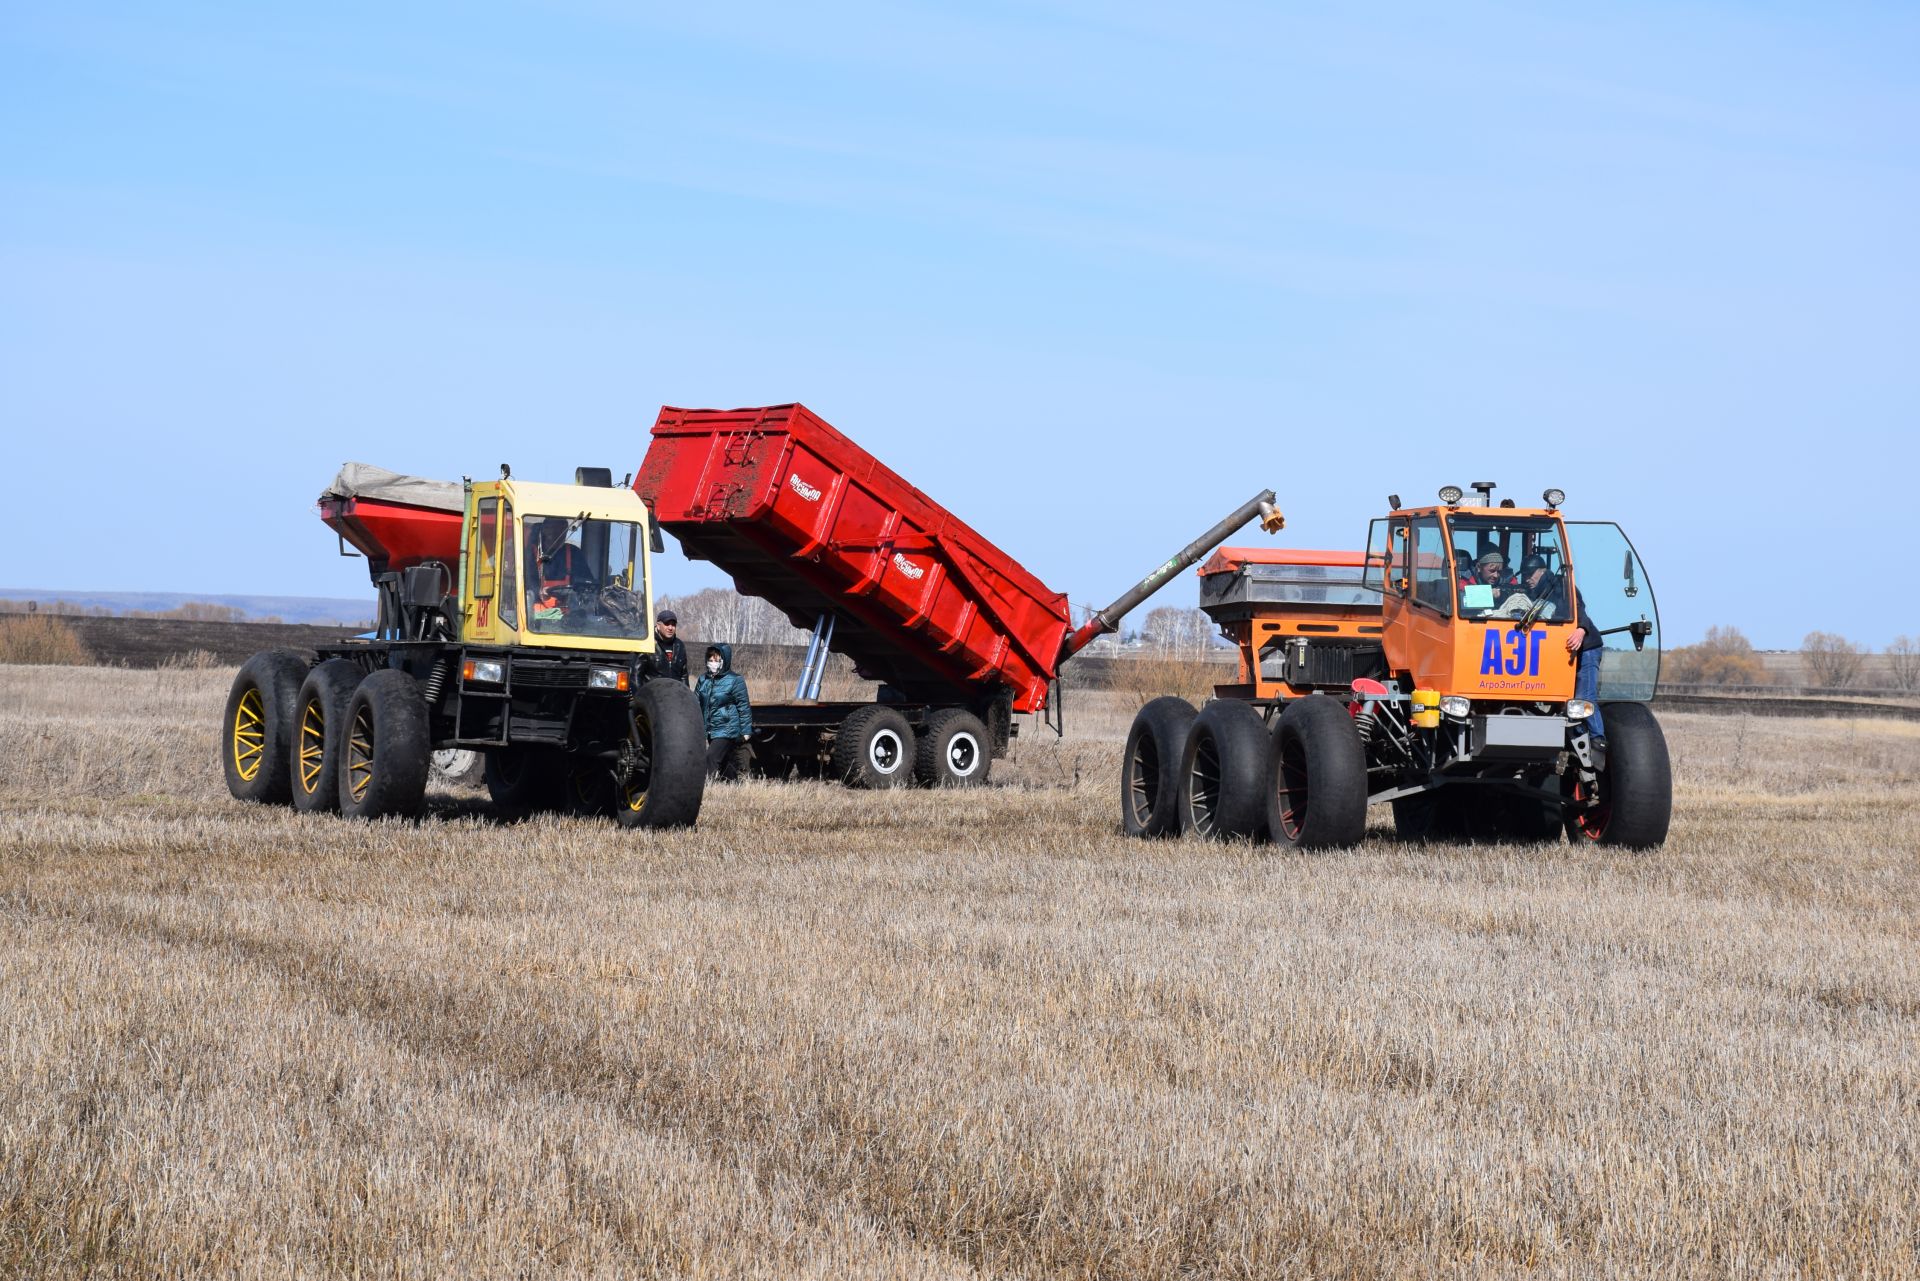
x=360 y=757
x=313 y=745
x=249 y=735
x=633 y=792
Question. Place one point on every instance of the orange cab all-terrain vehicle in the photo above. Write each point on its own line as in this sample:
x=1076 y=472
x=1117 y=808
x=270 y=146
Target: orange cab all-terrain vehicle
x=1433 y=672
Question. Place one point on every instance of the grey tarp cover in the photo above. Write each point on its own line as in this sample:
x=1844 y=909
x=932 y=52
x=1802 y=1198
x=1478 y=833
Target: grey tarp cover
x=364 y=480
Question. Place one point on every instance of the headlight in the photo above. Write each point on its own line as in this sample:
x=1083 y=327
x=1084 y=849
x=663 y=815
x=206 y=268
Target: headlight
x=1457 y=707
x=607 y=678
x=1554 y=497
x=484 y=671
x=1450 y=494
x=1578 y=709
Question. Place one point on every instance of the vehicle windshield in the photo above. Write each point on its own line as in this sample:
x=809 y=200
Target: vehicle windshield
x=582 y=577
x=1510 y=567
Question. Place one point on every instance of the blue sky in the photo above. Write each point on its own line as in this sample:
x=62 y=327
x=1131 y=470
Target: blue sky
x=1090 y=274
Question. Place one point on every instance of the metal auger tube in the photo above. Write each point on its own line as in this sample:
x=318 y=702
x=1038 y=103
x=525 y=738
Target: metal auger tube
x=1108 y=619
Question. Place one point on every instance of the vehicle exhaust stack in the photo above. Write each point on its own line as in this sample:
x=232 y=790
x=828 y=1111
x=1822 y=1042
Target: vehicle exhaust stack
x=1108 y=619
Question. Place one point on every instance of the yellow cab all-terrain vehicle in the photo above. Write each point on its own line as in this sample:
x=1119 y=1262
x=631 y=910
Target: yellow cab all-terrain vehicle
x=514 y=619
x=1433 y=672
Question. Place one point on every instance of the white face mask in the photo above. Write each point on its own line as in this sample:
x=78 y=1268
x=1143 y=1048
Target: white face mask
x=713 y=667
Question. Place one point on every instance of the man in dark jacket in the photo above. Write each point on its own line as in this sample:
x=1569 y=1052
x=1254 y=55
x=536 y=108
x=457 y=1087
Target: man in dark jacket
x=670 y=652
x=723 y=702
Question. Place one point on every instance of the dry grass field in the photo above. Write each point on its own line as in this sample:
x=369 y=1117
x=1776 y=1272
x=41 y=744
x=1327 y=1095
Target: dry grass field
x=943 y=1035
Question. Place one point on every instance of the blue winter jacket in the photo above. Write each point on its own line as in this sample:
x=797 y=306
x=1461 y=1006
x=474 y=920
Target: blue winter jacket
x=723 y=699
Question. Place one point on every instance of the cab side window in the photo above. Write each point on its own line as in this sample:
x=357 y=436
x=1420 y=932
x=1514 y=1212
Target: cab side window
x=486 y=534
x=1432 y=582
x=509 y=596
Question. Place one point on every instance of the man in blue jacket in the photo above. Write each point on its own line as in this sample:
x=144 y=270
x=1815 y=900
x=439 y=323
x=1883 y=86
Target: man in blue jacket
x=723 y=701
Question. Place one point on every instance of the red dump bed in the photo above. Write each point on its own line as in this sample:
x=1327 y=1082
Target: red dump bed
x=803 y=517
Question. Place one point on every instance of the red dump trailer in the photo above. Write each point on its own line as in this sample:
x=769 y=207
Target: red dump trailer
x=958 y=633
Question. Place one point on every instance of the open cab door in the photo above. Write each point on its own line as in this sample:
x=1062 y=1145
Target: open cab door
x=1613 y=583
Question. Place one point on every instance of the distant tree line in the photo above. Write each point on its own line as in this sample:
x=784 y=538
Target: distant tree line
x=1827 y=661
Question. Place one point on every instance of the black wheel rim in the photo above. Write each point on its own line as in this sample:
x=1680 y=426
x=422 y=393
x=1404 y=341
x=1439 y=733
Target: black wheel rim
x=1143 y=781
x=1204 y=784
x=1293 y=788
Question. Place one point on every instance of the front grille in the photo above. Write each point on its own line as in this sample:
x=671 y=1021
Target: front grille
x=547 y=673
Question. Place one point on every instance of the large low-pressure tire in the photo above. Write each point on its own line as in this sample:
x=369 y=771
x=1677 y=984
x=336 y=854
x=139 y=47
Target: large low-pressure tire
x=258 y=727
x=1634 y=806
x=1317 y=776
x=954 y=752
x=387 y=746
x=320 y=722
x=662 y=777
x=1150 y=767
x=1223 y=773
x=874 y=749
x=523 y=779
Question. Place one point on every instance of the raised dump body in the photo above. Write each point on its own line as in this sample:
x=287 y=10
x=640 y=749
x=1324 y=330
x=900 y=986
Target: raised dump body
x=803 y=517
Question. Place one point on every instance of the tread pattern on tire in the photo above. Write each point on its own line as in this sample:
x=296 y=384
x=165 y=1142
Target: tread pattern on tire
x=933 y=760
x=1638 y=782
x=1223 y=773
x=852 y=762
x=255 y=756
x=389 y=708
x=668 y=715
x=1316 y=745
x=1150 y=767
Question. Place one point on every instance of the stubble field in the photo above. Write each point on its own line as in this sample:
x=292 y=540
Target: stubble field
x=918 y=1034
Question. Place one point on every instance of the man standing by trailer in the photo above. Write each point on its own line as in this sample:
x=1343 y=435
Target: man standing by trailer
x=670 y=652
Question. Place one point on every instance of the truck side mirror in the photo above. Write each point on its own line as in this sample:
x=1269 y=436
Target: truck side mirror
x=656 y=541
x=1633 y=588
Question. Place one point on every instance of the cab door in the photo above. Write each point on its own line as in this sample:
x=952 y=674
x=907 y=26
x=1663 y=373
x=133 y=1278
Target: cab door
x=1613 y=585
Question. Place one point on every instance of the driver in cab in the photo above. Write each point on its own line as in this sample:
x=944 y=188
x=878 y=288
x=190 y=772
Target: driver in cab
x=557 y=568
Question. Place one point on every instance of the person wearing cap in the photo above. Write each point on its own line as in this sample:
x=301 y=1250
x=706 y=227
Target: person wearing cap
x=1491 y=569
x=1541 y=583
x=670 y=652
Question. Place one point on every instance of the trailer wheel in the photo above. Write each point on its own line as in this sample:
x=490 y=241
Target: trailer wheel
x=383 y=767
x=257 y=728
x=320 y=717
x=954 y=752
x=1223 y=773
x=662 y=775
x=1634 y=802
x=1317 y=778
x=1150 y=767
x=874 y=749
x=458 y=767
